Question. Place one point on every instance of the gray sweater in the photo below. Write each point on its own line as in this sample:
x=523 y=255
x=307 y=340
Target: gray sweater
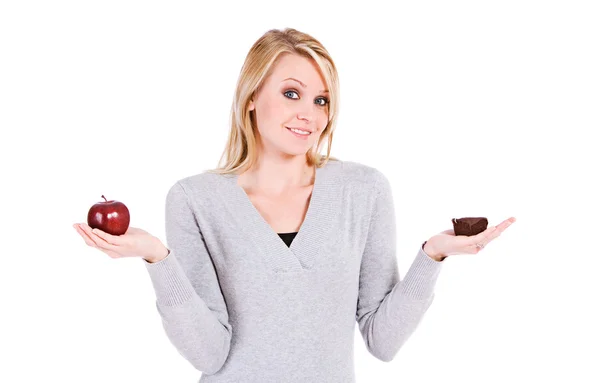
x=242 y=306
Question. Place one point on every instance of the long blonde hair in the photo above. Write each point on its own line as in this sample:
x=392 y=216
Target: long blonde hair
x=240 y=153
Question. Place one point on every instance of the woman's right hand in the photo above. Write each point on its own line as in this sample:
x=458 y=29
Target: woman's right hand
x=134 y=243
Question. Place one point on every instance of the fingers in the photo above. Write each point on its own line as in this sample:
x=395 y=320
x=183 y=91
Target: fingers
x=108 y=238
x=501 y=227
x=92 y=236
x=492 y=232
x=94 y=240
x=85 y=236
x=507 y=223
x=481 y=237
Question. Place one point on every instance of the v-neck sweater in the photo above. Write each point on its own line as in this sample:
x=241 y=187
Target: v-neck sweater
x=241 y=306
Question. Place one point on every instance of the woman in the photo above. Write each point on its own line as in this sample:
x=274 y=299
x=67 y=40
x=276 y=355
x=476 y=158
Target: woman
x=274 y=256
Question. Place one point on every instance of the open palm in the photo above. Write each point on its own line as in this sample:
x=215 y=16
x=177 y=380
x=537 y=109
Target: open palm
x=135 y=242
x=448 y=243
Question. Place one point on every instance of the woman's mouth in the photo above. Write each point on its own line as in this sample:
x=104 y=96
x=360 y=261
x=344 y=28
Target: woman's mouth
x=298 y=132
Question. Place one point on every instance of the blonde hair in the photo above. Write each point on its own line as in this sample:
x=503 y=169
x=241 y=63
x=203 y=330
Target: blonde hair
x=240 y=153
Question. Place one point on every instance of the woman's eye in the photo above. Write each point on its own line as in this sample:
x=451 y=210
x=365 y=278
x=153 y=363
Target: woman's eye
x=290 y=91
x=324 y=101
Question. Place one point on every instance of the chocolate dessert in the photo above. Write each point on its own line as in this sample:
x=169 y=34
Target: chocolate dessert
x=469 y=225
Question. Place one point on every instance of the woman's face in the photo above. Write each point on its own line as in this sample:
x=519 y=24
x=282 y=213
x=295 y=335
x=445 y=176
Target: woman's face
x=283 y=103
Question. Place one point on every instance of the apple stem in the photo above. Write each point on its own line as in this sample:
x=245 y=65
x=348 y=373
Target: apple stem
x=104 y=198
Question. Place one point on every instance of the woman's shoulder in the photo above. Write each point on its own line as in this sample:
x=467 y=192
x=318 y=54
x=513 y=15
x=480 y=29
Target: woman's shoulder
x=201 y=184
x=360 y=172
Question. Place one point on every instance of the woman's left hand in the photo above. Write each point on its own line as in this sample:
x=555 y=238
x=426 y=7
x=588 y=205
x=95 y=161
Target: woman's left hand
x=447 y=243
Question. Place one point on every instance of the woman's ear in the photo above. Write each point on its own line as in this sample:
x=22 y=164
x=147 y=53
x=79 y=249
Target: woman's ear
x=251 y=106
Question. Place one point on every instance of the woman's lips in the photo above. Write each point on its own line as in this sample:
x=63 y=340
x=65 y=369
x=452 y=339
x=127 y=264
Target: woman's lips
x=304 y=130
x=298 y=135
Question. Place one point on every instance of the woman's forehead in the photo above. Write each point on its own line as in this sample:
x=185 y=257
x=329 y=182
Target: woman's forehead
x=300 y=70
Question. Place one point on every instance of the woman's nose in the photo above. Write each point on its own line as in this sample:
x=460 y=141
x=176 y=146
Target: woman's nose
x=305 y=117
x=307 y=113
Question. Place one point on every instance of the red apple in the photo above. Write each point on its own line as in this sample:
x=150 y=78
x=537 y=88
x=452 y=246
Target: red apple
x=111 y=217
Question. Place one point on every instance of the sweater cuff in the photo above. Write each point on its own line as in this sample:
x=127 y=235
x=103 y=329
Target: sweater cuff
x=170 y=282
x=420 y=279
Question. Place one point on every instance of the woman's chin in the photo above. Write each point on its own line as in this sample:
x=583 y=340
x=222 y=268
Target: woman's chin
x=292 y=152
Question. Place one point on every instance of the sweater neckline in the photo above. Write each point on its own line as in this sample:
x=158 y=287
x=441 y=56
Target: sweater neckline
x=301 y=254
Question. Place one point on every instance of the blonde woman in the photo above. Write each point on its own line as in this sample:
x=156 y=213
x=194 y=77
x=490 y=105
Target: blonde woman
x=275 y=255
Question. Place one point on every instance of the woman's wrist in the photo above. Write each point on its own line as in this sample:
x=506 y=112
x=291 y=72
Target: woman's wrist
x=431 y=252
x=164 y=252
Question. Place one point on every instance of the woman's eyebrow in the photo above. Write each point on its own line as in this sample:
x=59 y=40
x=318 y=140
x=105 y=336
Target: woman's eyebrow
x=303 y=85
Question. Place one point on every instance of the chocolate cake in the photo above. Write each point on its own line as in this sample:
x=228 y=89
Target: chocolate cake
x=469 y=225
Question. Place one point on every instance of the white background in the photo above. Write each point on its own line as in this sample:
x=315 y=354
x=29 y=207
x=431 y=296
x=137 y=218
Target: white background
x=470 y=108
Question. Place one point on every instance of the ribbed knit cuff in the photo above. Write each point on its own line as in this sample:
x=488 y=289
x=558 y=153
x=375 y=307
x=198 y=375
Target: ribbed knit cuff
x=170 y=282
x=419 y=281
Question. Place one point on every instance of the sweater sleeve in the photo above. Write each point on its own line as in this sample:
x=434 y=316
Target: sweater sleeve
x=389 y=309
x=188 y=295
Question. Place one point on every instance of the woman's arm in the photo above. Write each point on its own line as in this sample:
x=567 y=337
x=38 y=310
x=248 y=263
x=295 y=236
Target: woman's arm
x=188 y=294
x=389 y=309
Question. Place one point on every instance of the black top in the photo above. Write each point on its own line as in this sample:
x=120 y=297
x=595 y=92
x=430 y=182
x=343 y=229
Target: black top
x=287 y=237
